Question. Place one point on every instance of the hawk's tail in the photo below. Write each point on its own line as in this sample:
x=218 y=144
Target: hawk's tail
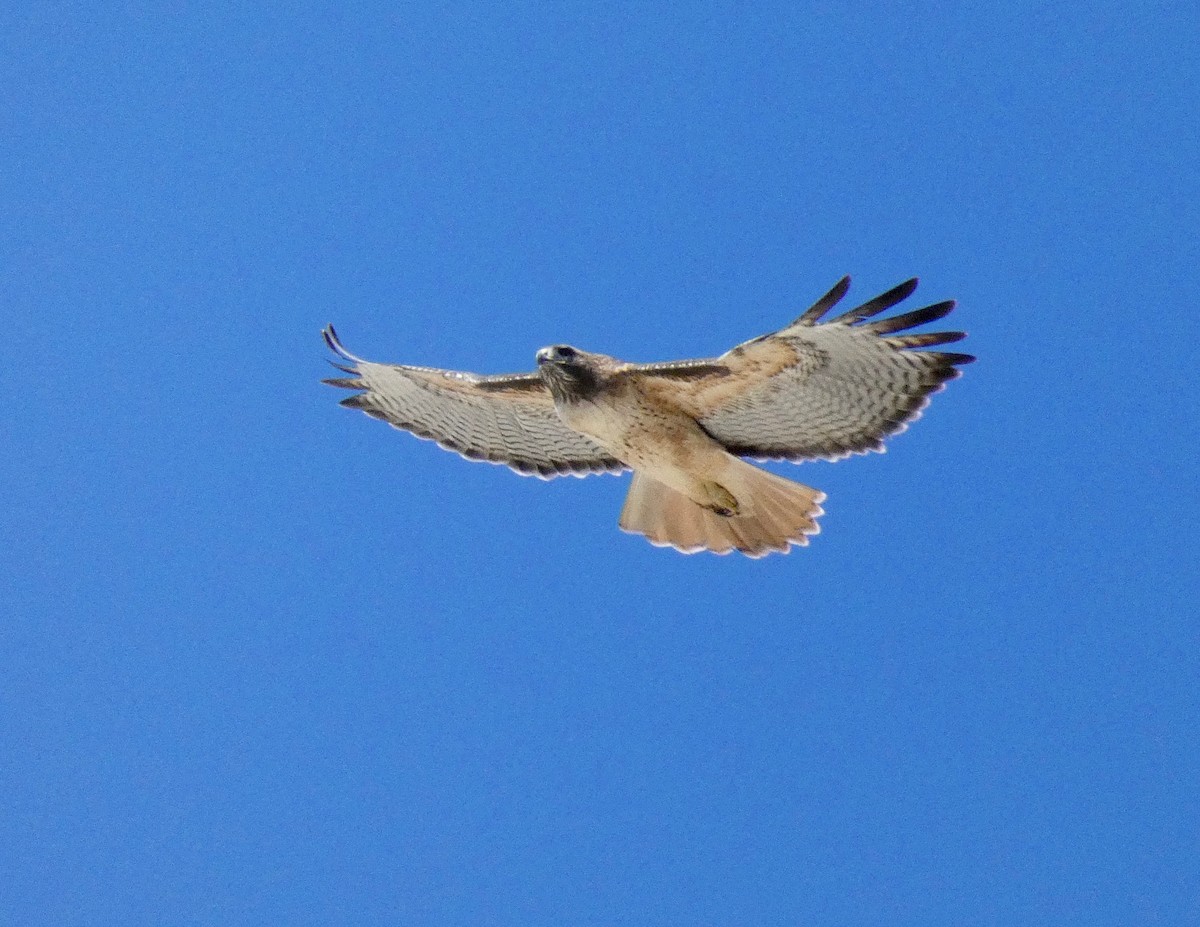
x=780 y=513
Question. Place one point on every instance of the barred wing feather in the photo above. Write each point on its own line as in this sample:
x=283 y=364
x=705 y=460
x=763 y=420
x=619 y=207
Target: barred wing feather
x=507 y=419
x=827 y=389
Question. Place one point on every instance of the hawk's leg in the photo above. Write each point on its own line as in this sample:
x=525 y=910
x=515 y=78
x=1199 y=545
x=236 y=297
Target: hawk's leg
x=720 y=500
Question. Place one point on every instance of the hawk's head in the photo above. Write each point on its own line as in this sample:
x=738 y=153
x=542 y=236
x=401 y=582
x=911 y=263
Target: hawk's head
x=571 y=375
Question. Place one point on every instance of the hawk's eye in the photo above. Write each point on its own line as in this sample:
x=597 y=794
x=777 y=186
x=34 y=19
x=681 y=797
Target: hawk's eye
x=566 y=352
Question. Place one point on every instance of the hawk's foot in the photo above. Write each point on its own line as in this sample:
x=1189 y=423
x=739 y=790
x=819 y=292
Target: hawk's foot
x=721 y=500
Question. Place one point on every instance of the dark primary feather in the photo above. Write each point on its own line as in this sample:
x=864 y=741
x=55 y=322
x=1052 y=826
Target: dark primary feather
x=881 y=303
x=329 y=333
x=899 y=323
x=825 y=303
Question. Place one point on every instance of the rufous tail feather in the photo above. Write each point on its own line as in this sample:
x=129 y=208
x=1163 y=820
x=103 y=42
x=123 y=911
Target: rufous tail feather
x=780 y=513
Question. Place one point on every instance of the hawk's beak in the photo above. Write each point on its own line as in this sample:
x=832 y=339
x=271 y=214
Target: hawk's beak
x=543 y=356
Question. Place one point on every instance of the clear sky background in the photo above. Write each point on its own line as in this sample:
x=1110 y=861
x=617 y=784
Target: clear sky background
x=267 y=661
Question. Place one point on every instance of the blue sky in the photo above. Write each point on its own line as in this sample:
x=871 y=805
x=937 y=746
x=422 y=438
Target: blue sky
x=269 y=661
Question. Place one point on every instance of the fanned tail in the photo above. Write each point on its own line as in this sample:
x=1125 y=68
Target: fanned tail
x=781 y=513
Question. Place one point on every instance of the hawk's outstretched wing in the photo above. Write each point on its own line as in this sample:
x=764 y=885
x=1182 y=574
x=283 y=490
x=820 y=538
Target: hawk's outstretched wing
x=817 y=389
x=508 y=419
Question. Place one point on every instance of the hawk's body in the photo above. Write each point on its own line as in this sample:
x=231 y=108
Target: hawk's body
x=811 y=390
x=639 y=426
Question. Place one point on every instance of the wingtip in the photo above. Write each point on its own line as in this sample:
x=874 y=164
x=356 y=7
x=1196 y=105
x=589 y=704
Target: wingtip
x=902 y=291
x=814 y=313
x=899 y=323
x=881 y=303
x=329 y=333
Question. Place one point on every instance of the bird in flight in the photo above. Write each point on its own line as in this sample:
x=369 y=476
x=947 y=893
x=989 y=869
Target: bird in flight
x=813 y=390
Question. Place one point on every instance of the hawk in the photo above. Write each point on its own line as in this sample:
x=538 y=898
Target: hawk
x=813 y=390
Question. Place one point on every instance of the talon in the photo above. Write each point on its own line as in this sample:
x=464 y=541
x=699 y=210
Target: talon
x=723 y=502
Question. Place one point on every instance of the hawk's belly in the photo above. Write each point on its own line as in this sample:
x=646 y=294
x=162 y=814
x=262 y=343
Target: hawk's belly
x=660 y=441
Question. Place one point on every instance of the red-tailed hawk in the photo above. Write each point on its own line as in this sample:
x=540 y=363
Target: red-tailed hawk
x=811 y=390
